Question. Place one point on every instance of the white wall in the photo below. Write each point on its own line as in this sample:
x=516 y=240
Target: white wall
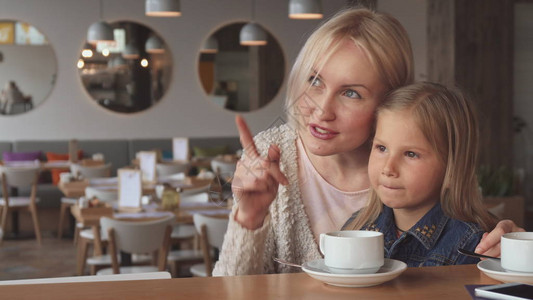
x=185 y=109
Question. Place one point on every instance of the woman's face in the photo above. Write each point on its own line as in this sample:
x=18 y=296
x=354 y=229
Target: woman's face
x=337 y=111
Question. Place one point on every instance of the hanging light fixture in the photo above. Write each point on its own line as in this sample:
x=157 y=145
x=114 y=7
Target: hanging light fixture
x=87 y=51
x=100 y=31
x=210 y=45
x=305 y=9
x=162 y=8
x=252 y=34
x=154 y=45
x=131 y=51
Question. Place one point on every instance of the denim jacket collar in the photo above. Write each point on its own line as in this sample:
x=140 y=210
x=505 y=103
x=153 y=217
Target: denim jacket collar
x=427 y=230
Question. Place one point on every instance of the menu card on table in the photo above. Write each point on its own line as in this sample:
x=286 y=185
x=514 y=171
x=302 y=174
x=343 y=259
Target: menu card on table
x=180 y=149
x=129 y=190
x=147 y=164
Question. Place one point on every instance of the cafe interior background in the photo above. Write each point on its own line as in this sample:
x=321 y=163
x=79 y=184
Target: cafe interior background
x=183 y=90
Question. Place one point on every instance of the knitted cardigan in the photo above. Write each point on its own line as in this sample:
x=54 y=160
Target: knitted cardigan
x=286 y=232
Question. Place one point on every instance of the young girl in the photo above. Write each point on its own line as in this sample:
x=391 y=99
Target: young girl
x=425 y=196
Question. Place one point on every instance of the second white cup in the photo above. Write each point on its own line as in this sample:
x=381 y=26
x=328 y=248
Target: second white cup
x=352 y=251
x=517 y=252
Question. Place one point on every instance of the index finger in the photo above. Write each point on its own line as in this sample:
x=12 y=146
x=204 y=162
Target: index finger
x=247 y=141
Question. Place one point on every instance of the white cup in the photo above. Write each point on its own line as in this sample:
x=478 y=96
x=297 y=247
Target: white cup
x=517 y=251
x=65 y=177
x=352 y=251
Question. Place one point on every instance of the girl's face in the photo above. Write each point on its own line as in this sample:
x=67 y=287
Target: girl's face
x=404 y=169
x=337 y=111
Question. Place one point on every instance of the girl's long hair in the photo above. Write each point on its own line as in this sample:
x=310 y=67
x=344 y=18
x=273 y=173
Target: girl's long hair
x=448 y=121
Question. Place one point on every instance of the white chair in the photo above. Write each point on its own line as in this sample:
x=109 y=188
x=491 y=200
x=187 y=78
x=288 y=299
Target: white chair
x=212 y=232
x=89 y=172
x=166 y=169
x=112 y=277
x=136 y=237
x=86 y=237
x=19 y=178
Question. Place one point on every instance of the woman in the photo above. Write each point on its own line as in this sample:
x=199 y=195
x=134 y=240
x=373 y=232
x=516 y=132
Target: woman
x=320 y=156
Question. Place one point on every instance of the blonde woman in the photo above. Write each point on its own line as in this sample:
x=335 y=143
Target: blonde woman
x=425 y=196
x=308 y=176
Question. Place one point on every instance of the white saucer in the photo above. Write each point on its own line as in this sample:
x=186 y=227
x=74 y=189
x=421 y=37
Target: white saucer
x=493 y=269
x=390 y=270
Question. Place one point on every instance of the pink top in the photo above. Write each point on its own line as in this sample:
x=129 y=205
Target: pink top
x=327 y=207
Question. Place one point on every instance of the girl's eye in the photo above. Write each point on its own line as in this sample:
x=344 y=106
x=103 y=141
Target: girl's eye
x=411 y=154
x=352 y=94
x=314 y=81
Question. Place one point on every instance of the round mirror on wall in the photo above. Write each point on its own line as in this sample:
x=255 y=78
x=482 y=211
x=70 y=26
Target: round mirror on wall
x=240 y=78
x=28 y=67
x=130 y=74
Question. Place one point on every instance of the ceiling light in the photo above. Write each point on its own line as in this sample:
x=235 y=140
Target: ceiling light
x=252 y=35
x=305 y=9
x=100 y=31
x=162 y=8
x=210 y=45
x=154 y=45
x=131 y=52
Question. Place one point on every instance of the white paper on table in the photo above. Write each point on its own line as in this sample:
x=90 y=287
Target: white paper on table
x=129 y=188
x=180 y=149
x=147 y=163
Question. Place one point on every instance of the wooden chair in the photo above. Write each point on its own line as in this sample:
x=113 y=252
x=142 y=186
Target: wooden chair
x=136 y=237
x=19 y=178
x=212 y=232
x=89 y=172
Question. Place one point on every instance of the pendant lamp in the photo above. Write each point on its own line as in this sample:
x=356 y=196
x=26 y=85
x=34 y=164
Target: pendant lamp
x=162 y=8
x=305 y=9
x=210 y=45
x=131 y=51
x=100 y=31
x=252 y=34
x=154 y=45
x=87 y=51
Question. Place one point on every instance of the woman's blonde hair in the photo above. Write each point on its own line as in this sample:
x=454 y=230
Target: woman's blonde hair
x=448 y=121
x=381 y=36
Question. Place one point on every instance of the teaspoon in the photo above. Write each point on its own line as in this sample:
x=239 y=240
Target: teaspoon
x=284 y=262
x=473 y=254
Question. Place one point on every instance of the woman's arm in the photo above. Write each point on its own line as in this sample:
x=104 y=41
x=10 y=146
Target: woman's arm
x=244 y=250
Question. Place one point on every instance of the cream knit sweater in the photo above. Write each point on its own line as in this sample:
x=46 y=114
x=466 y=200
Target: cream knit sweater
x=285 y=233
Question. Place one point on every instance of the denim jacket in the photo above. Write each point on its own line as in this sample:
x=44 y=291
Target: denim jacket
x=432 y=241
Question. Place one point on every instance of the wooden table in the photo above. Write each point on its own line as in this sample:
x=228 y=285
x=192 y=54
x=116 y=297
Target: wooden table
x=76 y=189
x=415 y=283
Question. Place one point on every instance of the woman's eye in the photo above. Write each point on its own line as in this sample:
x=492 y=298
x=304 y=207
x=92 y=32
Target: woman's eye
x=314 y=81
x=411 y=154
x=352 y=94
x=381 y=148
